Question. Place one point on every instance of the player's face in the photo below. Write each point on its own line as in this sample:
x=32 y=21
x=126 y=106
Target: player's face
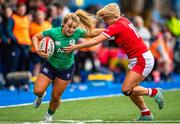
x=69 y=27
x=108 y=20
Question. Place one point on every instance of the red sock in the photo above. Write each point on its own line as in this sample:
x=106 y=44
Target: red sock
x=152 y=91
x=145 y=112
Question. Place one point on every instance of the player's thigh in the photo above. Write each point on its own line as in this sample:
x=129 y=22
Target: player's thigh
x=58 y=87
x=132 y=79
x=42 y=83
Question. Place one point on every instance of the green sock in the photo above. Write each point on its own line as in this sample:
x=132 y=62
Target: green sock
x=50 y=111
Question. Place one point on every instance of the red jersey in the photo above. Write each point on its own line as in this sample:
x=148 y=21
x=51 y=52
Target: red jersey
x=126 y=37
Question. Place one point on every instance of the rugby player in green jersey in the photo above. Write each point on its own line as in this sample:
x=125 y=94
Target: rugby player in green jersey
x=59 y=67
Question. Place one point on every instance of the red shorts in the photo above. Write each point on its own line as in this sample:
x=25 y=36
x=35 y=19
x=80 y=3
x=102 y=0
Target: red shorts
x=143 y=64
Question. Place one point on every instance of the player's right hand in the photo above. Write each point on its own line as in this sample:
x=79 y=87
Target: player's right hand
x=42 y=54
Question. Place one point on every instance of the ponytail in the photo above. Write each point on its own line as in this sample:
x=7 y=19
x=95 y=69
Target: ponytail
x=83 y=19
x=86 y=20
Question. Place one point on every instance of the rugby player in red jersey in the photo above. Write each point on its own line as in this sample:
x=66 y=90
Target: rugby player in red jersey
x=141 y=61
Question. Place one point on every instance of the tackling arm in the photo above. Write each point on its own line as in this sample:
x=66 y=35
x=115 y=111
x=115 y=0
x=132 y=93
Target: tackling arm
x=94 y=32
x=94 y=41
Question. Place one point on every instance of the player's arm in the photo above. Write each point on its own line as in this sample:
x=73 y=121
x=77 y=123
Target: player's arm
x=95 y=32
x=92 y=42
x=35 y=39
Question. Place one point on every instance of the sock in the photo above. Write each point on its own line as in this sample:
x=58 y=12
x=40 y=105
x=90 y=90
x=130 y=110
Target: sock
x=145 y=112
x=152 y=91
x=40 y=96
x=50 y=111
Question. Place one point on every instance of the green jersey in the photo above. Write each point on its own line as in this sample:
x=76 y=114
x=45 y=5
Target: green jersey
x=60 y=59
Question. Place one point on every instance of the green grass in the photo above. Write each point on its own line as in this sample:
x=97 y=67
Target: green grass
x=117 y=108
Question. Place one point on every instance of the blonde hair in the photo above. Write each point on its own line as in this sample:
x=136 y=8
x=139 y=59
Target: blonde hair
x=70 y=16
x=83 y=19
x=110 y=10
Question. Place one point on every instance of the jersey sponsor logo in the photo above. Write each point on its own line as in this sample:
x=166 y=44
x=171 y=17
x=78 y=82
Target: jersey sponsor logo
x=58 y=43
x=60 y=51
x=71 y=42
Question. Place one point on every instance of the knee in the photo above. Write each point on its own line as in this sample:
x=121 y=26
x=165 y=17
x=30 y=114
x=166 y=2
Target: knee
x=38 y=91
x=126 y=91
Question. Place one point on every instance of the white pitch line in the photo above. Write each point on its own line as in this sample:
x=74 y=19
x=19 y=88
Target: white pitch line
x=80 y=121
x=115 y=121
x=65 y=100
x=98 y=121
x=74 y=99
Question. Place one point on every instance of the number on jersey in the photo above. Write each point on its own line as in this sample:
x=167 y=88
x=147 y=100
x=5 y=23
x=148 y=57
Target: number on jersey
x=134 y=29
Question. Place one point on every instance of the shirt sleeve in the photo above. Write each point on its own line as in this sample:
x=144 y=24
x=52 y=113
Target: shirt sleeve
x=111 y=31
x=47 y=33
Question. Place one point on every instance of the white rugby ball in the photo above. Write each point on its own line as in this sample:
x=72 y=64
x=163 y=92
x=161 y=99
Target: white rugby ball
x=46 y=45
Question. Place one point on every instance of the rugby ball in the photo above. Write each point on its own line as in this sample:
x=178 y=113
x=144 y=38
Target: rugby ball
x=46 y=45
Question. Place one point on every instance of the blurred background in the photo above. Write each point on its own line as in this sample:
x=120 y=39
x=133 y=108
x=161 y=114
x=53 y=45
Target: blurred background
x=158 y=22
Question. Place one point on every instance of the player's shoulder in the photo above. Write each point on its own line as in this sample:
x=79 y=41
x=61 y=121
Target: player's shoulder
x=53 y=30
x=120 y=22
x=80 y=30
x=123 y=21
x=122 y=18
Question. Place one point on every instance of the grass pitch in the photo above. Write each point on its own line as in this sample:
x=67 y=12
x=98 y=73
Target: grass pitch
x=116 y=109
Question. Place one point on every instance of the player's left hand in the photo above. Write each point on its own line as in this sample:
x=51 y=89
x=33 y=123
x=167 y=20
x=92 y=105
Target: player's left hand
x=70 y=48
